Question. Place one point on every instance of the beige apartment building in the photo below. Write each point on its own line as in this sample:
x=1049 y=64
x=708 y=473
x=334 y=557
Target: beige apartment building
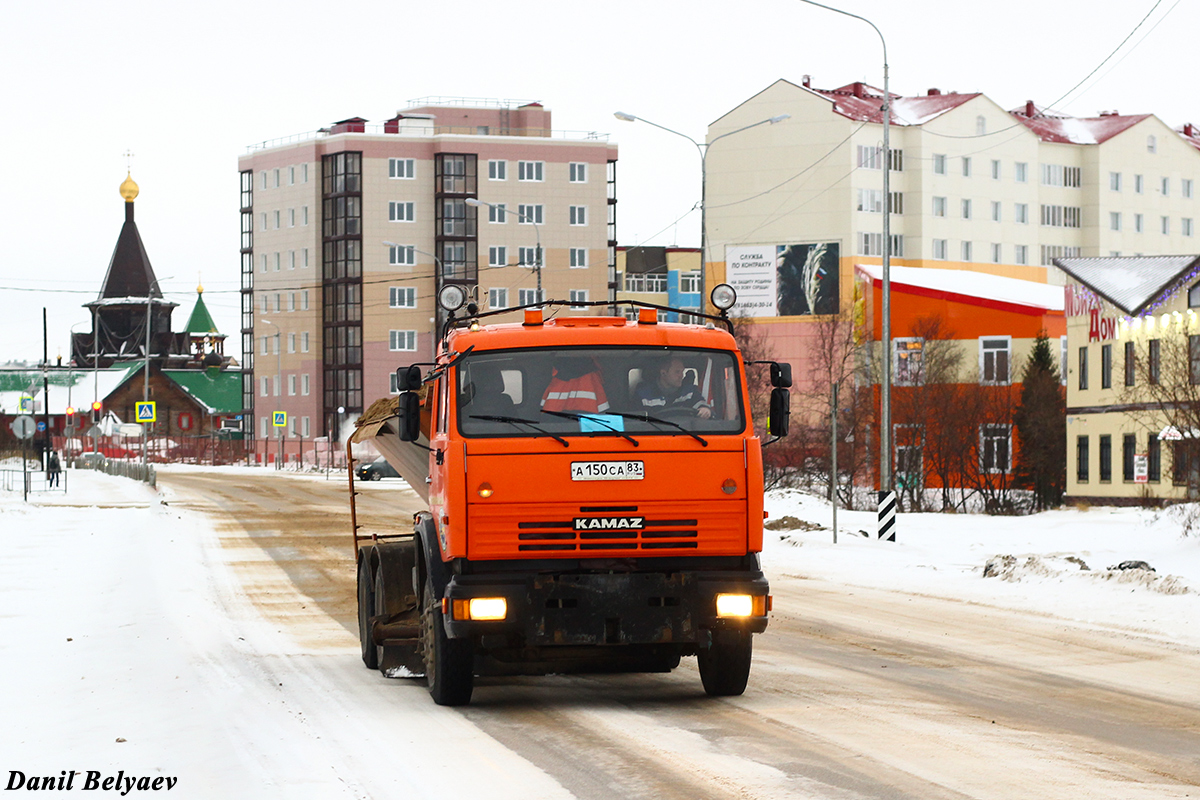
x=793 y=207
x=349 y=232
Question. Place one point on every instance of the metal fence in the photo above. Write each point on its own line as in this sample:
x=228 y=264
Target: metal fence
x=125 y=469
x=35 y=480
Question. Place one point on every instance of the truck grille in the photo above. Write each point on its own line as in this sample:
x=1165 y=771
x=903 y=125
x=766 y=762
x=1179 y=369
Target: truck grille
x=607 y=529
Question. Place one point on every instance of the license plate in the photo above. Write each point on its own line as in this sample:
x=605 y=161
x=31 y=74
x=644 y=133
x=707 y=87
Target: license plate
x=608 y=470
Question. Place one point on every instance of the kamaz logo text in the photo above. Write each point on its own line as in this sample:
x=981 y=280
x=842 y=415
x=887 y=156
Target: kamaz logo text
x=610 y=523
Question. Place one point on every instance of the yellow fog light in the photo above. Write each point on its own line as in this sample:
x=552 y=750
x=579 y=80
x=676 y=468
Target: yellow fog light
x=485 y=490
x=487 y=608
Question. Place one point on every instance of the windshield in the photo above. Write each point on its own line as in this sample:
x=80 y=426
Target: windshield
x=610 y=391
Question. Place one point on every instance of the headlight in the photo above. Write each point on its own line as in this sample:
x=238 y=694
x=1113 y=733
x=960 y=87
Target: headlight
x=723 y=296
x=741 y=605
x=484 y=609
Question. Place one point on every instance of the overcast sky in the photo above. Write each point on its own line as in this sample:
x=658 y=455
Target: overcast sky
x=187 y=88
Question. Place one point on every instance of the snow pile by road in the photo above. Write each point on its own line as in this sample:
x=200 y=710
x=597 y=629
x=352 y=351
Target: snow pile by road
x=1059 y=563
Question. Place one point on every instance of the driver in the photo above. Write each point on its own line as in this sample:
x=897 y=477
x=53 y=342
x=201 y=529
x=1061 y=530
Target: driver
x=668 y=389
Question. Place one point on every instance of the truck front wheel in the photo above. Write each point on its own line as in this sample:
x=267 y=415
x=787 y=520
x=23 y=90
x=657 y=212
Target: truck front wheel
x=449 y=663
x=725 y=664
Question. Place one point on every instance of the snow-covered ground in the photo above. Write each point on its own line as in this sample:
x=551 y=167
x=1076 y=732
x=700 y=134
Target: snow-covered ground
x=127 y=644
x=945 y=555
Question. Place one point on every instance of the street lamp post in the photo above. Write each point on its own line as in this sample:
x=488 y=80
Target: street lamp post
x=537 y=232
x=279 y=432
x=702 y=148
x=885 y=416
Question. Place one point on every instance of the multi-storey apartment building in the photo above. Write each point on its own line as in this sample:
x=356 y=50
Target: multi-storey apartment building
x=793 y=207
x=665 y=276
x=349 y=232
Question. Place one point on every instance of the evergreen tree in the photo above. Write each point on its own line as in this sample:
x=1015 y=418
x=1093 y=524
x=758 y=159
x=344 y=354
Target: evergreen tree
x=1041 y=422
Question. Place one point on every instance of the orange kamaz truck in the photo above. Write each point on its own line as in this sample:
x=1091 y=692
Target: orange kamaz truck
x=595 y=494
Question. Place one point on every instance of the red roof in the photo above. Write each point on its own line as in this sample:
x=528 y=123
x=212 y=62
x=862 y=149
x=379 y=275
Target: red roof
x=860 y=101
x=1074 y=130
x=1190 y=134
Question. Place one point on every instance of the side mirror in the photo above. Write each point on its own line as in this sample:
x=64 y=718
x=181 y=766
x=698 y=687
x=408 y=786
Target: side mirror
x=408 y=379
x=408 y=416
x=781 y=409
x=781 y=374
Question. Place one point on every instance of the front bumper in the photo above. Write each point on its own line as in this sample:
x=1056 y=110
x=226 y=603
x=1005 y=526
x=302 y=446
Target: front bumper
x=631 y=608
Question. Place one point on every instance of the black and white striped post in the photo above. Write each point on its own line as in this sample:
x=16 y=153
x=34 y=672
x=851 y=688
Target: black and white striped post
x=887 y=516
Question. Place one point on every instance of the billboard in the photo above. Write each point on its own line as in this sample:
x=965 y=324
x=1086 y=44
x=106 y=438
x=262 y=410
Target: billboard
x=783 y=280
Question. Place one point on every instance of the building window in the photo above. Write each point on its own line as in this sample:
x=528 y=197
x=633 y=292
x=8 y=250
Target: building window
x=291 y=259
x=1185 y=226
x=579 y=257
x=1106 y=366
x=1138 y=223
x=645 y=282
x=1128 y=451
x=1153 y=360
x=497 y=170
x=966 y=166
x=897 y=246
x=1185 y=188
x=402 y=341
x=527 y=297
x=870 y=244
x=264 y=179
x=498 y=213
x=966 y=209
x=291 y=343
x=1151 y=144
x=530 y=170
x=304 y=215
x=402 y=255
x=995 y=353
x=1021 y=253
x=529 y=214
x=995 y=169
x=497 y=299
x=291 y=217
x=994 y=449
x=291 y=385
x=527 y=256
x=1062 y=216
x=939 y=164
x=896 y=159
x=578 y=297
x=304 y=342
x=939 y=206
x=870 y=200
x=1130 y=364
x=263 y=385
x=305 y=386
x=1082 y=459
x=1166 y=187
x=870 y=157
x=1138 y=184
x=996 y=253
x=966 y=251
x=895 y=202
x=304 y=173
x=1114 y=181
x=1114 y=220
x=278 y=302
x=401 y=168
x=1194 y=359
x=1166 y=226
x=940 y=249
x=1058 y=175
x=1063 y=354
x=1153 y=458
x=1083 y=368
x=909 y=361
x=579 y=215
x=578 y=172
x=498 y=256
x=1021 y=213
x=1105 y=458
x=402 y=297
x=689 y=282
x=995 y=211
x=304 y=300
x=400 y=212
x=1021 y=172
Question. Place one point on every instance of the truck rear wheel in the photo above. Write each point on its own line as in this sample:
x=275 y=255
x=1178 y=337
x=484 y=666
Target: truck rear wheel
x=725 y=664
x=449 y=663
x=366 y=607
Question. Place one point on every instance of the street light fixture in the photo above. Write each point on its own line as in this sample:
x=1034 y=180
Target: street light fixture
x=702 y=148
x=537 y=231
x=885 y=416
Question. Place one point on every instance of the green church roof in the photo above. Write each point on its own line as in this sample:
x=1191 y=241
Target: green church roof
x=201 y=321
x=220 y=392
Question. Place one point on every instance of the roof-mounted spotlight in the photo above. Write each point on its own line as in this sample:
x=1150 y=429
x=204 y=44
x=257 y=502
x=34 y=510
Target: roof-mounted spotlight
x=452 y=297
x=723 y=296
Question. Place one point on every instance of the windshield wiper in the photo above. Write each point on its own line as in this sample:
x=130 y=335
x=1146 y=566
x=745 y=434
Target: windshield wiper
x=593 y=418
x=519 y=421
x=648 y=418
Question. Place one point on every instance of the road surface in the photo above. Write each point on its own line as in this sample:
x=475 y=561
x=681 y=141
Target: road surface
x=855 y=693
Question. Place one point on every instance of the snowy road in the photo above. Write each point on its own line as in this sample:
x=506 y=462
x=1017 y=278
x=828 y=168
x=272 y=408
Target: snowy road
x=217 y=636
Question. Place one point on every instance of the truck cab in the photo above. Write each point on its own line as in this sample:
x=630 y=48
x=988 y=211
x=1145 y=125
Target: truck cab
x=595 y=503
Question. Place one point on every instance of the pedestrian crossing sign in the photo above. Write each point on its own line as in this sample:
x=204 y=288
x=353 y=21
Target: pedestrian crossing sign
x=145 y=411
x=279 y=419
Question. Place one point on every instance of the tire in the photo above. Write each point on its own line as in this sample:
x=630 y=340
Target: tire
x=375 y=475
x=366 y=608
x=449 y=663
x=725 y=664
